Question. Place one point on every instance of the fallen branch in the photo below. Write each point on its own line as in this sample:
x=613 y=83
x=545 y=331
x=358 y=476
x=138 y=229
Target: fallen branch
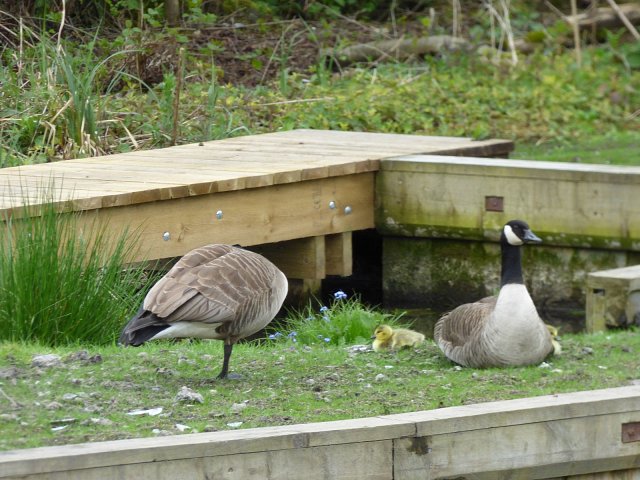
x=606 y=17
x=398 y=49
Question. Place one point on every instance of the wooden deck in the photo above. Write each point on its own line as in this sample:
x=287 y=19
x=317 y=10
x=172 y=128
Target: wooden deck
x=313 y=185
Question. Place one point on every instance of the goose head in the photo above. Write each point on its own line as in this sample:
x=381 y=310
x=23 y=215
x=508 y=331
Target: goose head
x=382 y=333
x=517 y=232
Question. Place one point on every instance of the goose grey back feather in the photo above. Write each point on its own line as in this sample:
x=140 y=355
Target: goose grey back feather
x=216 y=291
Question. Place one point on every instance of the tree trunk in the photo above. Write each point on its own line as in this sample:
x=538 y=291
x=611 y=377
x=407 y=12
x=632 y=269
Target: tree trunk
x=172 y=12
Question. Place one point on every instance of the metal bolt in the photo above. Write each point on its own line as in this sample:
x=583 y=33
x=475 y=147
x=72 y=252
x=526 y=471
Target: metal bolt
x=347 y=210
x=166 y=236
x=219 y=214
x=332 y=204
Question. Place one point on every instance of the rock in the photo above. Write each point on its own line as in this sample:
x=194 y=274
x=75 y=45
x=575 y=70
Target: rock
x=187 y=395
x=101 y=421
x=46 y=361
x=238 y=407
x=9 y=372
x=380 y=377
x=53 y=406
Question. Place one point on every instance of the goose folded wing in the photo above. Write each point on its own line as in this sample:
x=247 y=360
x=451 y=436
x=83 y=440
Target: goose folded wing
x=464 y=322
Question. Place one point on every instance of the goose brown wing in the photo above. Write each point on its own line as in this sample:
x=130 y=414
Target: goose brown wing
x=455 y=328
x=210 y=284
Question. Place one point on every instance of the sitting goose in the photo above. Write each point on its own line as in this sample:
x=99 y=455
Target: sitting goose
x=217 y=291
x=503 y=330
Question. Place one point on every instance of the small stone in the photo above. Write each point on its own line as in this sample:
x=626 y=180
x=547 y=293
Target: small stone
x=187 y=395
x=587 y=350
x=234 y=424
x=238 y=407
x=101 y=421
x=53 y=406
x=182 y=427
x=380 y=377
x=46 y=361
x=80 y=356
x=68 y=397
x=9 y=372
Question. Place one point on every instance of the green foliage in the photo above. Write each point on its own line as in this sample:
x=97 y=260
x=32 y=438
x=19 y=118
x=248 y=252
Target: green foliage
x=345 y=322
x=282 y=383
x=57 y=287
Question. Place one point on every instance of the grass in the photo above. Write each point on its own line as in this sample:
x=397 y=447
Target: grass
x=344 y=322
x=61 y=287
x=72 y=101
x=619 y=148
x=88 y=396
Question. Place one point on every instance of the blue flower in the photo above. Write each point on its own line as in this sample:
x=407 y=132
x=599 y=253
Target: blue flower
x=275 y=336
x=325 y=318
x=327 y=339
x=340 y=295
x=292 y=334
x=323 y=309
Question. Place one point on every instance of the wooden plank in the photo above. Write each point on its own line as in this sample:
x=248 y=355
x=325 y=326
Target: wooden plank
x=317 y=463
x=302 y=258
x=339 y=254
x=248 y=217
x=194 y=447
x=436 y=196
x=561 y=447
x=231 y=164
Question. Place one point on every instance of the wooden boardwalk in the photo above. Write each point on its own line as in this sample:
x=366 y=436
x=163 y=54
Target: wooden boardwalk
x=301 y=184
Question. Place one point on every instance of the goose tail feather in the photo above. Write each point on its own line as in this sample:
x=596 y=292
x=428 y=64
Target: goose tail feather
x=143 y=326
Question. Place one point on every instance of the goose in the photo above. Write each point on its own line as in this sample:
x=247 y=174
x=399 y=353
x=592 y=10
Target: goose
x=213 y=292
x=386 y=337
x=501 y=330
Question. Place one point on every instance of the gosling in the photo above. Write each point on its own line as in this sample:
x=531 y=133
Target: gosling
x=385 y=338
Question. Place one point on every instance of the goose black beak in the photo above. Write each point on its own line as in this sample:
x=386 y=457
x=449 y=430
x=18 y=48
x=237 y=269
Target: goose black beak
x=530 y=237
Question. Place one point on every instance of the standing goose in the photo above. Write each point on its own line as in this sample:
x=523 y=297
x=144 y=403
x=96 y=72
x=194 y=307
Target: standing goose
x=503 y=330
x=216 y=291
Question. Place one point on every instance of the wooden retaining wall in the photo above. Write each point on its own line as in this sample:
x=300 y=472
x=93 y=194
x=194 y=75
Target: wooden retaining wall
x=586 y=435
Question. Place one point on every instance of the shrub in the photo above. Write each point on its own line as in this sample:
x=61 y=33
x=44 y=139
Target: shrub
x=60 y=284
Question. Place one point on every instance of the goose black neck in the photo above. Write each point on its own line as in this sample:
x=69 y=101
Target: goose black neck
x=511 y=265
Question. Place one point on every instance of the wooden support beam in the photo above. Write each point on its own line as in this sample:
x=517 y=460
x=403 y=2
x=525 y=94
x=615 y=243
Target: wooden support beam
x=301 y=258
x=171 y=228
x=339 y=254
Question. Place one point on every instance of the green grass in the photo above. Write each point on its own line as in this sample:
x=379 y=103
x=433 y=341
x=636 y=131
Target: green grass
x=283 y=383
x=60 y=284
x=344 y=322
x=618 y=148
x=88 y=103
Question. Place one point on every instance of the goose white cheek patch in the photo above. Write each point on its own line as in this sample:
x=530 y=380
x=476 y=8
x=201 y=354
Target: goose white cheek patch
x=512 y=238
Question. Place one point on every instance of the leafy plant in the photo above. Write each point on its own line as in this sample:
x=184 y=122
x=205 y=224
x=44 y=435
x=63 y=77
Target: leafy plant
x=345 y=322
x=63 y=278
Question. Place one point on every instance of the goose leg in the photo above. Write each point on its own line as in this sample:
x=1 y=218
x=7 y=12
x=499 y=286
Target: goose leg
x=228 y=347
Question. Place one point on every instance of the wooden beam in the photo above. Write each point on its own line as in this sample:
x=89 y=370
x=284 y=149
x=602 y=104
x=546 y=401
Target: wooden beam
x=339 y=254
x=171 y=228
x=301 y=258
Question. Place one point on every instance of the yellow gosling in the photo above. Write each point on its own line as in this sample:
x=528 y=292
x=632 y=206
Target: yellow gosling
x=386 y=338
